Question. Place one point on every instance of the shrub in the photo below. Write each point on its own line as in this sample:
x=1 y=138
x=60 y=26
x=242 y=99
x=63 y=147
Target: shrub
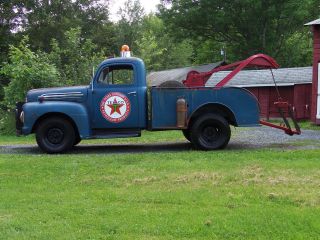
x=27 y=70
x=7 y=122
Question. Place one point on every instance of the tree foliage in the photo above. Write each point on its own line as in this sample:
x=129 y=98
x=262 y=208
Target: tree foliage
x=73 y=36
x=75 y=58
x=129 y=26
x=245 y=27
x=158 y=48
x=27 y=70
x=51 y=19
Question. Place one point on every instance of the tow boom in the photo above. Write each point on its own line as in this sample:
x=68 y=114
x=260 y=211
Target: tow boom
x=197 y=79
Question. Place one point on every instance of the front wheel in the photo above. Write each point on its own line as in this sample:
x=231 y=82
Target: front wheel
x=55 y=135
x=210 y=132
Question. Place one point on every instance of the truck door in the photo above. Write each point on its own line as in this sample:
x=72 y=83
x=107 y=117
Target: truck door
x=115 y=98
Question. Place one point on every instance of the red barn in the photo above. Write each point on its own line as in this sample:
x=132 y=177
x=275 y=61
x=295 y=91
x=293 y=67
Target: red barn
x=294 y=85
x=315 y=98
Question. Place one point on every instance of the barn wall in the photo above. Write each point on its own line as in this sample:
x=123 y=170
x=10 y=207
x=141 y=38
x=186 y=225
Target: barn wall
x=286 y=94
x=316 y=60
x=302 y=100
x=298 y=96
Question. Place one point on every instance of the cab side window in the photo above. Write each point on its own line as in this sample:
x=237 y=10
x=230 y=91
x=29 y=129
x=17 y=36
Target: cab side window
x=117 y=75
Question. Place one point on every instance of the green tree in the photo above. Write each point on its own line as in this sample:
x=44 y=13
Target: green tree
x=158 y=49
x=51 y=19
x=27 y=70
x=129 y=27
x=298 y=49
x=12 y=17
x=245 y=27
x=75 y=58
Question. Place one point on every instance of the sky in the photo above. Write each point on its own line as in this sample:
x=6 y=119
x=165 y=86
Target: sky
x=148 y=5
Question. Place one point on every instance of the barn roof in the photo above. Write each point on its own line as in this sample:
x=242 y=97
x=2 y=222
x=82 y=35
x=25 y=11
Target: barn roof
x=315 y=22
x=178 y=74
x=263 y=78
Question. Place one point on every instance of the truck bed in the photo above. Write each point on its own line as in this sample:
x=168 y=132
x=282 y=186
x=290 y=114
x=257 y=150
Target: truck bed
x=239 y=101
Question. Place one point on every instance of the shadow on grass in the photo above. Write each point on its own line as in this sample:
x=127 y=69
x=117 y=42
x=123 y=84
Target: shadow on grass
x=135 y=148
x=103 y=149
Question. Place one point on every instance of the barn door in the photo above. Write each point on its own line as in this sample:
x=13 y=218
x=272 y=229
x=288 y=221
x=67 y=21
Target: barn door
x=302 y=93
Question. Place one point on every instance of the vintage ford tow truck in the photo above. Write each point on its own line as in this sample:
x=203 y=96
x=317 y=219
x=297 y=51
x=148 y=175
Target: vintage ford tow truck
x=117 y=103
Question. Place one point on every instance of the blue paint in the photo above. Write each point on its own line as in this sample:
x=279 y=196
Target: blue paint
x=76 y=111
x=82 y=104
x=240 y=102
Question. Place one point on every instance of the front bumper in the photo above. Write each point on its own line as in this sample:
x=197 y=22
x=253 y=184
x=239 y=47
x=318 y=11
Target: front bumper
x=19 y=123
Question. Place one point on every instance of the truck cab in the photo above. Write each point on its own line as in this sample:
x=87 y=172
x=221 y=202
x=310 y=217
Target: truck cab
x=118 y=96
x=116 y=104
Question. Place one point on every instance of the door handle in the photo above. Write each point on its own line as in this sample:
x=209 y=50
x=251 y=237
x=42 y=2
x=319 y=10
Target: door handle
x=132 y=93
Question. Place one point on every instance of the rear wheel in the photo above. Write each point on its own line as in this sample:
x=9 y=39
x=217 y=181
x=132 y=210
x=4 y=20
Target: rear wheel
x=77 y=140
x=186 y=134
x=55 y=135
x=210 y=132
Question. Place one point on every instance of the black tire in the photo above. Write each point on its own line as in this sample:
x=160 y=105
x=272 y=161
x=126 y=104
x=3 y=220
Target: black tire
x=186 y=134
x=55 y=135
x=77 y=140
x=171 y=84
x=210 y=132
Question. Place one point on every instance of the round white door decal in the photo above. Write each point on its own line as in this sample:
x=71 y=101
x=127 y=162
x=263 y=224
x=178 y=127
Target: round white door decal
x=115 y=107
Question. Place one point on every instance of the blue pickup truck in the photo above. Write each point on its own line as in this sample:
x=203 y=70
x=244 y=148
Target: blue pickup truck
x=117 y=103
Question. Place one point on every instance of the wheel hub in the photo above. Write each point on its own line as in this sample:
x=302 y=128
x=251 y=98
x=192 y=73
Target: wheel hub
x=210 y=134
x=55 y=135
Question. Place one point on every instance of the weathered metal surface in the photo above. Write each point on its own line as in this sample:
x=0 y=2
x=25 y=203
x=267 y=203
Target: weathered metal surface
x=181 y=111
x=199 y=79
x=76 y=111
x=92 y=108
x=239 y=101
x=195 y=78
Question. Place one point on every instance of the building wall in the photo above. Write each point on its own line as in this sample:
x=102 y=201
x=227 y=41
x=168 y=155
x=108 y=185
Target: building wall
x=316 y=60
x=302 y=101
x=299 y=96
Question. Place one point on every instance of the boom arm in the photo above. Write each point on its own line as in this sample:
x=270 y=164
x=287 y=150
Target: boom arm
x=197 y=79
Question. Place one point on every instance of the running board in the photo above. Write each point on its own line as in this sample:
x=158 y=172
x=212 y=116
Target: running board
x=106 y=134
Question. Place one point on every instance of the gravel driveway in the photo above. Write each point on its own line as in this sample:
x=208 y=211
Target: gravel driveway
x=261 y=137
x=242 y=138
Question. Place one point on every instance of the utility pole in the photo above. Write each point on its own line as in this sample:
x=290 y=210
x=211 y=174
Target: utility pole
x=223 y=53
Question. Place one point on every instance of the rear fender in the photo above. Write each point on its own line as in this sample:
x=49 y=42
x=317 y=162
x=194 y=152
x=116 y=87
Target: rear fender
x=239 y=106
x=213 y=107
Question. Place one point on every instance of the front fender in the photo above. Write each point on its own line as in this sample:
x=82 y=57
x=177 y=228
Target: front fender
x=76 y=111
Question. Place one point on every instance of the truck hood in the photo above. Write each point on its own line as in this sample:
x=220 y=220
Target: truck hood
x=71 y=94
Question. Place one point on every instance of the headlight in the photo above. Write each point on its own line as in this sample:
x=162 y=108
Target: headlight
x=22 y=117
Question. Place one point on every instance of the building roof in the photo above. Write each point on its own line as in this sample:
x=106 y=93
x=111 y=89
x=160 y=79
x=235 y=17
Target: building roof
x=178 y=74
x=263 y=78
x=315 y=22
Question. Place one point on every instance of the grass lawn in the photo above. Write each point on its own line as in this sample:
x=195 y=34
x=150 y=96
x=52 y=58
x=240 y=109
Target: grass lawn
x=231 y=194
